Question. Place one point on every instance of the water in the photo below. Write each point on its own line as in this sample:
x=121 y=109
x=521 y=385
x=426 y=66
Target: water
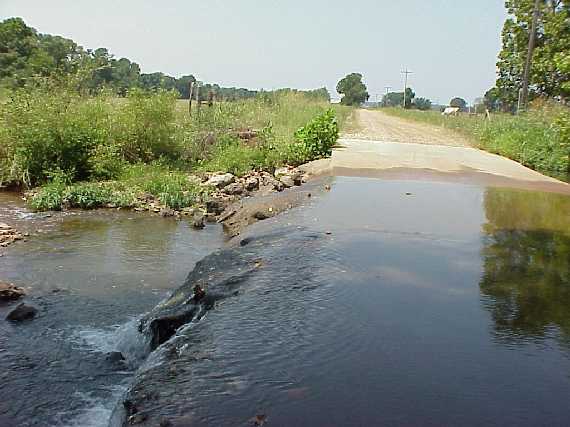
x=445 y=306
x=91 y=275
x=379 y=303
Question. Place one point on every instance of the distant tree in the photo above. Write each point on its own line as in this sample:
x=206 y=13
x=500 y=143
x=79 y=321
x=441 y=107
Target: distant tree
x=422 y=104
x=353 y=90
x=458 y=103
x=410 y=95
x=492 y=99
x=396 y=99
x=393 y=99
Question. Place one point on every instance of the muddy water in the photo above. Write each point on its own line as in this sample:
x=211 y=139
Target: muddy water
x=90 y=274
x=379 y=303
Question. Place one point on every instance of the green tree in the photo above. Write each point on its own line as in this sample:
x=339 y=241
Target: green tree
x=458 y=103
x=353 y=90
x=422 y=104
x=550 y=73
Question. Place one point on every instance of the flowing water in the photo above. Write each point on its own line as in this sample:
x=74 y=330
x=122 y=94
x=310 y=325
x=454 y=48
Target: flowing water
x=378 y=303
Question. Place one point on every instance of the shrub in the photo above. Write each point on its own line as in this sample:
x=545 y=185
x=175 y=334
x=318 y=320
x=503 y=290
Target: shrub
x=144 y=126
x=43 y=131
x=316 y=139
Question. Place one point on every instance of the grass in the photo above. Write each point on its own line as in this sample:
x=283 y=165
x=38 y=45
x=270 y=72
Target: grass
x=87 y=151
x=537 y=139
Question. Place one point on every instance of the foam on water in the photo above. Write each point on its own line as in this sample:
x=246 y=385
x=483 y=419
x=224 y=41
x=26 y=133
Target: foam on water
x=126 y=338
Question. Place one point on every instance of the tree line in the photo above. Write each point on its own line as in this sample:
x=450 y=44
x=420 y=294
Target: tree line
x=26 y=54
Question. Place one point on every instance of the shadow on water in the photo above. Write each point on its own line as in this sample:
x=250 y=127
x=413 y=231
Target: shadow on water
x=526 y=258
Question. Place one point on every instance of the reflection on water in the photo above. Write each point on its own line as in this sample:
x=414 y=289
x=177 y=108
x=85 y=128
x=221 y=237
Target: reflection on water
x=526 y=255
x=388 y=326
x=379 y=303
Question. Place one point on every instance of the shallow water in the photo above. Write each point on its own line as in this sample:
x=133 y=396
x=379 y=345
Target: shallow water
x=379 y=303
x=91 y=275
x=445 y=306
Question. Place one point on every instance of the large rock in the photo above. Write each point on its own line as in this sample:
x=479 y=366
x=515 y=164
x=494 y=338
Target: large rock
x=220 y=181
x=9 y=292
x=251 y=183
x=287 y=181
x=234 y=189
x=22 y=312
x=216 y=206
x=279 y=172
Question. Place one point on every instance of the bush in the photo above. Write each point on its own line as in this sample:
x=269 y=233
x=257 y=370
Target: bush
x=43 y=131
x=316 y=139
x=144 y=126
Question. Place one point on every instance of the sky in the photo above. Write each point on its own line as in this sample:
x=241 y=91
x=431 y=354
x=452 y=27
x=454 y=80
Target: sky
x=451 y=46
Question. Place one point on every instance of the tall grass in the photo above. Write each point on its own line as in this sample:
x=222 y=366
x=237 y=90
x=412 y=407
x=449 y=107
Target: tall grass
x=538 y=139
x=85 y=150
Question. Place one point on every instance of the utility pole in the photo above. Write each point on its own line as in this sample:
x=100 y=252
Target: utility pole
x=406 y=72
x=528 y=63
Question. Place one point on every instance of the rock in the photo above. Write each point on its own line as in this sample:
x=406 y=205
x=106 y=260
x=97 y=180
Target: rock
x=4 y=226
x=287 y=181
x=22 y=312
x=328 y=187
x=261 y=215
x=227 y=215
x=279 y=172
x=115 y=357
x=234 y=189
x=251 y=184
x=166 y=212
x=9 y=292
x=198 y=220
x=220 y=181
x=215 y=206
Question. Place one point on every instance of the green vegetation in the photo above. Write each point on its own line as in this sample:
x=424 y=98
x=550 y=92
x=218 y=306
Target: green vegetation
x=26 y=54
x=353 y=90
x=396 y=99
x=539 y=139
x=87 y=150
x=550 y=74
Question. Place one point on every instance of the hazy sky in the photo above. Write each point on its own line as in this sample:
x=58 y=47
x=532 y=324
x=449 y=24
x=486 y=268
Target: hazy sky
x=450 y=45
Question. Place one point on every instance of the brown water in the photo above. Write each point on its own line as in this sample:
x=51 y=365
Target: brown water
x=379 y=303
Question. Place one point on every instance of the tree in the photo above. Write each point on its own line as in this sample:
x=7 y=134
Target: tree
x=423 y=104
x=458 y=103
x=410 y=95
x=550 y=73
x=353 y=90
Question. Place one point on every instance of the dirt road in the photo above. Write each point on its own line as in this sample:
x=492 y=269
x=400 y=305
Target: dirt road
x=391 y=147
x=378 y=126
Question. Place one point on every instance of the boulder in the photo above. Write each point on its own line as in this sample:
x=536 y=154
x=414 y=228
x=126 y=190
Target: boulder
x=251 y=183
x=220 y=181
x=279 y=172
x=22 y=312
x=215 y=206
x=9 y=292
x=234 y=189
x=287 y=181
